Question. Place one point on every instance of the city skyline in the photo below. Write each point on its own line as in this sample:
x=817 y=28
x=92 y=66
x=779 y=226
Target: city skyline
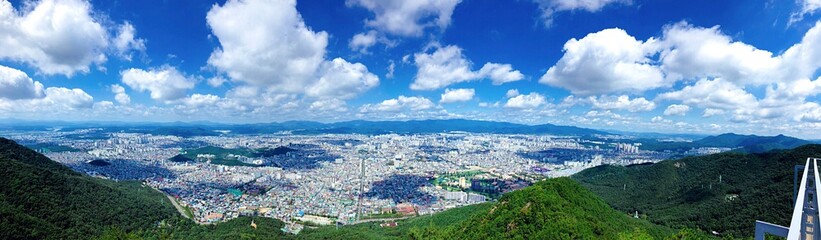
x=697 y=67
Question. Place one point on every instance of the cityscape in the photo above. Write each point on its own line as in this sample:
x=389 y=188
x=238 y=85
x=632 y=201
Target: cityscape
x=330 y=179
x=410 y=119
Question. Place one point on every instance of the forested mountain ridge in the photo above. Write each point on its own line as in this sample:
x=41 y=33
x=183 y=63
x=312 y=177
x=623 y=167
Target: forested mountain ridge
x=723 y=192
x=42 y=199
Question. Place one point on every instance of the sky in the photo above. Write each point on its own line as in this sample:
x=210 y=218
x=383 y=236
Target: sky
x=701 y=66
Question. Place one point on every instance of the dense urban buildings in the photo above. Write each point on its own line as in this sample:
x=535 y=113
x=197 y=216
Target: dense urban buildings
x=331 y=178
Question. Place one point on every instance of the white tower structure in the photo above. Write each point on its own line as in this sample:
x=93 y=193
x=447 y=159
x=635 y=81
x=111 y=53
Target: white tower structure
x=804 y=224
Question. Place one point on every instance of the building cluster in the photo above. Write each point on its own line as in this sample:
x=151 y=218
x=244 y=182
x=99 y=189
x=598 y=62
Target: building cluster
x=627 y=148
x=707 y=150
x=331 y=178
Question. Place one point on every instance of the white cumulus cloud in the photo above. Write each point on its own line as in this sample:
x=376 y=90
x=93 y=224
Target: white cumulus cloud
x=362 y=41
x=54 y=36
x=604 y=62
x=512 y=93
x=500 y=73
x=342 y=79
x=56 y=101
x=72 y=98
x=622 y=102
x=677 y=110
x=447 y=65
x=398 y=104
x=715 y=94
x=165 y=83
x=266 y=44
x=807 y=7
x=659 y=119
x=332 y=104
x=407 y=18
x=119 y=94
x=709 y=112
x=551 y=7
x=125 y=42
x=526 y=101
x=216 y=81
x=694 y=52
x=200 y=100
x=457 y=95
x=16 y=84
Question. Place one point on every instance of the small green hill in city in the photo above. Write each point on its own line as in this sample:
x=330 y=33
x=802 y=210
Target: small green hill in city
x=229 y=156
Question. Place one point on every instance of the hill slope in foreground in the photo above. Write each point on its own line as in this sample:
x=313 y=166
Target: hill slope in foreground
x=724 y=192
x=40 y=198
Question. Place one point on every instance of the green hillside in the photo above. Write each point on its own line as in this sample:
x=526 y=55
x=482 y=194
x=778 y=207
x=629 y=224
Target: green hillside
x=180 y=228
x=42 y=199
x=721 y=192
x=552 y=209
x=372 y=230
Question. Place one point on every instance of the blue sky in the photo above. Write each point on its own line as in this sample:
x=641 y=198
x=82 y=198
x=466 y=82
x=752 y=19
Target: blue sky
x=665 y=66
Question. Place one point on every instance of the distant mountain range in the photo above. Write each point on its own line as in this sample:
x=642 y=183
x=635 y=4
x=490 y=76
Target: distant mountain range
x=740 y=143
x=308 y=127
x=752 y=143
x=649 y=141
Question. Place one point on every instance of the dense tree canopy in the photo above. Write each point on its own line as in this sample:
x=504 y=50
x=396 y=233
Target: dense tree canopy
x=725 y=192
x=40 y=198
